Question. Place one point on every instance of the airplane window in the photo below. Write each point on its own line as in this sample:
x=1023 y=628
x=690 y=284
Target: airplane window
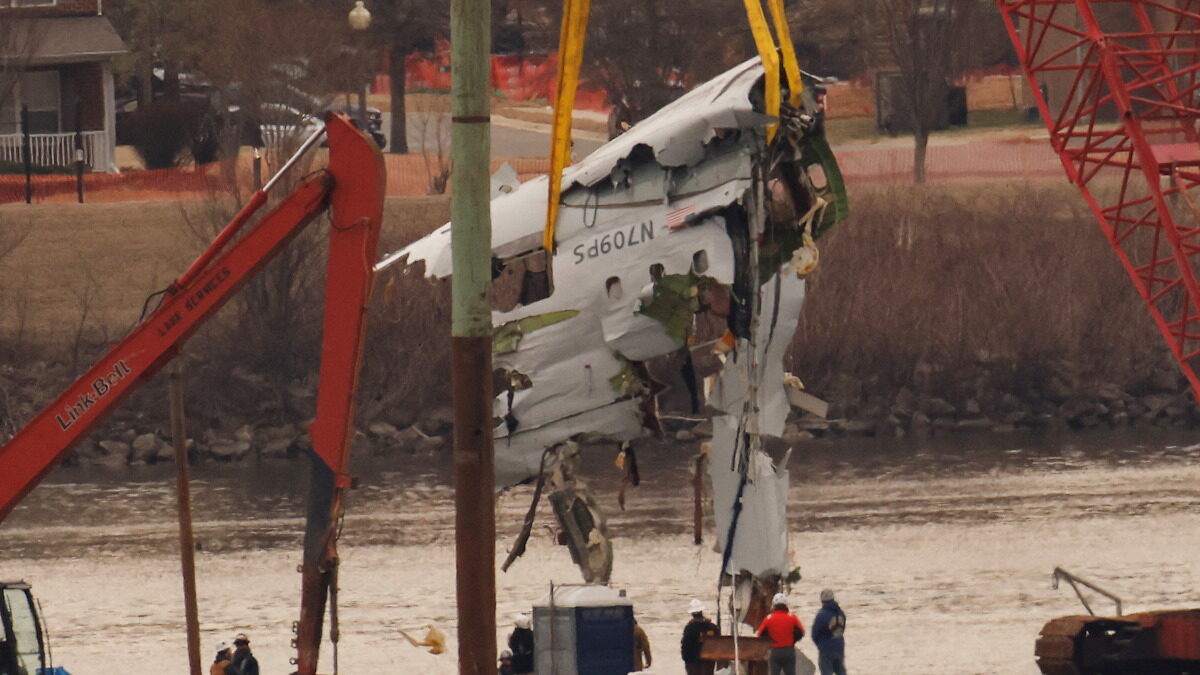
x=613 y=286
x=700 y=262
x=656 y=272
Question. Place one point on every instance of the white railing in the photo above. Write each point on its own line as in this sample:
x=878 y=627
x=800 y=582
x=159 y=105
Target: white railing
x=59 y=149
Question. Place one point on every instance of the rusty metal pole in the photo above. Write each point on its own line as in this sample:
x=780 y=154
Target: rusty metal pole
x=187 y=543
x=698 y=501
x=325 y=501
x=471 y=370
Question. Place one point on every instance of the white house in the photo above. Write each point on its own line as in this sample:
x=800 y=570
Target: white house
x=56 y=60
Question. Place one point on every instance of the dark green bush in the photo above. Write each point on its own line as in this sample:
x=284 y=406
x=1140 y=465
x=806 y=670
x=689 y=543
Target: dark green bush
x=19 y=168
x=159 y=132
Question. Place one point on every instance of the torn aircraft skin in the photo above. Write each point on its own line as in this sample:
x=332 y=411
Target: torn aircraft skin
x=688 y=205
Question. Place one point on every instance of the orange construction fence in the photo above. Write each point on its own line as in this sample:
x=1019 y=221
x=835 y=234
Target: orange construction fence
x=422 y=174
x=519 y=77
x=408 y=175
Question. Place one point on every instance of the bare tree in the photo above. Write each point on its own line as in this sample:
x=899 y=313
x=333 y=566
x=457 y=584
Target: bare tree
x=19 y=40
x=402 y=27
x=433 y=138
x=926 y=41
x=159 y=33
x=646 y=53
x=272 y=327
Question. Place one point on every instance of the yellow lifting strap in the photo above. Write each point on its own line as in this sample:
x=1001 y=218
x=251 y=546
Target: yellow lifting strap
x=571 y=40
x=791 y=65
x=770 y=59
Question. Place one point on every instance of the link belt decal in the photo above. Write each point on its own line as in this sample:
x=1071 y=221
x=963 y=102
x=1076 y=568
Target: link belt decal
x=101 y=387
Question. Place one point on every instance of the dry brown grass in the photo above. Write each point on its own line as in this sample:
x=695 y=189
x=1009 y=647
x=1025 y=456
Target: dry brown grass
x=121 y=252
x=130 y=250
x=919 y=287
x=407 y=361
x=77 y=283
x=944 y=278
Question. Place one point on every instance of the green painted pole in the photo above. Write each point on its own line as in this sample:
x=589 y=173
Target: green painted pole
x=471 y=367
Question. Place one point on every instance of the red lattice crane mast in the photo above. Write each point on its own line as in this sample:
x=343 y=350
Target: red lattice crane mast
x=1116 y=82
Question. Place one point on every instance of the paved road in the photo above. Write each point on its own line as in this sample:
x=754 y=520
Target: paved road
x=510 y=138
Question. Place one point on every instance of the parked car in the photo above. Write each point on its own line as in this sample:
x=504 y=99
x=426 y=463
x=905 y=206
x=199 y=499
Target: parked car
x=374 y=120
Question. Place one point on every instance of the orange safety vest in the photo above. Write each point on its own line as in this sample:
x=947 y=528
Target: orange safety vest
x=783 y=628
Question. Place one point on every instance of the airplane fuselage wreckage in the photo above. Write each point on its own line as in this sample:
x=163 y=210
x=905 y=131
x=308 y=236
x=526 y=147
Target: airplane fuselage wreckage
x=688 y=235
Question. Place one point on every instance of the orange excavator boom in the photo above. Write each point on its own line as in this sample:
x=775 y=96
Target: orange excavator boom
x=352 y=188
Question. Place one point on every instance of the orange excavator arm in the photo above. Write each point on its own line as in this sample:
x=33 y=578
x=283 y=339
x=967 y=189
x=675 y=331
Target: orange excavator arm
x=352 y=189
x=353 y=186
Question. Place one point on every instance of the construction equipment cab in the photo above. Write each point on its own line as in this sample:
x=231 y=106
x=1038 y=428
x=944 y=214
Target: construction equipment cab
x=24 y=647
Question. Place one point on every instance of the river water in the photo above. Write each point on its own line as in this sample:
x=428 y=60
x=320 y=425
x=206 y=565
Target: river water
x=940 y=551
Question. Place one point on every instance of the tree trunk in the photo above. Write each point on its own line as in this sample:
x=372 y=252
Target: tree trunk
x=171 y=88
x=920 y=143
x=145 y=85
x=398 y=141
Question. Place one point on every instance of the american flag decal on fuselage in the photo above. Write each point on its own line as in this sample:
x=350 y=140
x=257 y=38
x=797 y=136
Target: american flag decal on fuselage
x=677 y=219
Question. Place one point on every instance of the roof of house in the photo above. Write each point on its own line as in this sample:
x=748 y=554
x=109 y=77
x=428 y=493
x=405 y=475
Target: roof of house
x=72 y=39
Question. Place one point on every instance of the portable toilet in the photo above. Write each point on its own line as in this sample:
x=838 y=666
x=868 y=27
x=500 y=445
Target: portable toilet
x=583 y=630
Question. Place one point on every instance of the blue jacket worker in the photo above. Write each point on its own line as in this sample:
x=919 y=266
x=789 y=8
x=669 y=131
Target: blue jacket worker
x=828 y=629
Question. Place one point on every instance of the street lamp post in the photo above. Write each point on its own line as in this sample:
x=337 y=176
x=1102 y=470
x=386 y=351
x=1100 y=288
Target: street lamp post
x=360 y=20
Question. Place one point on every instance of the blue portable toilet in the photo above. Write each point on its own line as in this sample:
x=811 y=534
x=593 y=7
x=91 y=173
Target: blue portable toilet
x=583 y=630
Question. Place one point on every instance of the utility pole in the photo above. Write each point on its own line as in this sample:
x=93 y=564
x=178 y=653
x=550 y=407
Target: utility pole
x=471 y=369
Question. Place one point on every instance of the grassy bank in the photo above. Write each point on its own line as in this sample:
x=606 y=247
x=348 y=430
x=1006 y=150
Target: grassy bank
x=991 y=299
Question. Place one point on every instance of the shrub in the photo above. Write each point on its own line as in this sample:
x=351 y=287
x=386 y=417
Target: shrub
x=37 y=169
x=160 y=131
x=952 y=276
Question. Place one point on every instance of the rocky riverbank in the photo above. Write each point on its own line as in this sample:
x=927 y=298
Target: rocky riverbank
x=974 y=404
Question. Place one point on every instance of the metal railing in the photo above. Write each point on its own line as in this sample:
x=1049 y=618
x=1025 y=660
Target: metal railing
x=1076 y=582
x=59 y=149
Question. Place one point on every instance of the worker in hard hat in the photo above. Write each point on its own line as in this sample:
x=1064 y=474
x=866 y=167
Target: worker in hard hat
x=828 y=629
x=243 y=662
x=521 y=644
x=506 y=666
x=697 y=630
x=784 y=630
x=223 y=658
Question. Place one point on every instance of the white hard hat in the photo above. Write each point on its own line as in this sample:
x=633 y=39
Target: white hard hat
x=522 y=620
x=827 y=595
x=695 y=606
x=222 y=646
x=779 y=599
